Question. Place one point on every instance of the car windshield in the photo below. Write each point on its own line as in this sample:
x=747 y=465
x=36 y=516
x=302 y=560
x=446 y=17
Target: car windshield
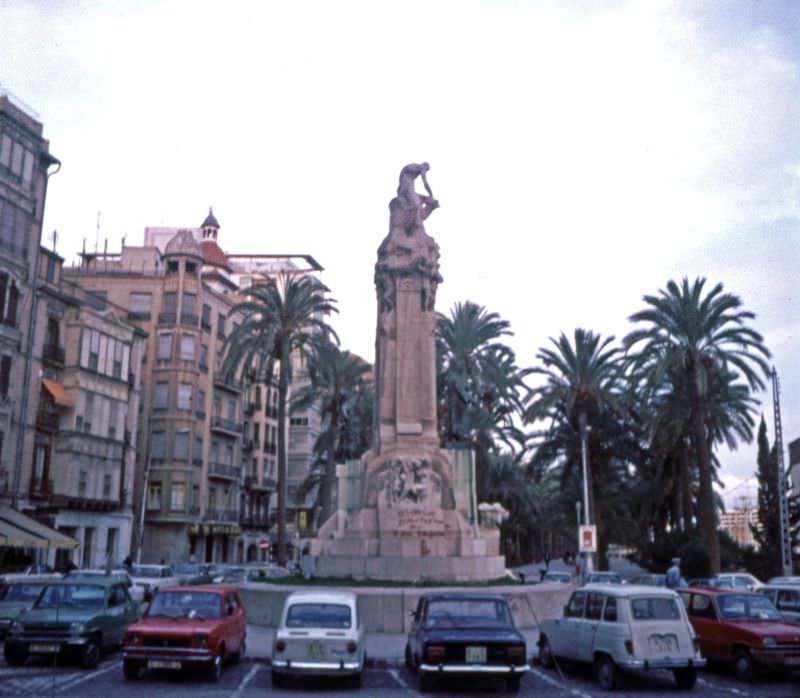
x=20 y=592
x=479 y=613
x=145 y=571
x=73 y=595
x=187 y=569
x=747 y=607
x=598 y=578
x=318 y=615
x=655 y=608
x=185 y=604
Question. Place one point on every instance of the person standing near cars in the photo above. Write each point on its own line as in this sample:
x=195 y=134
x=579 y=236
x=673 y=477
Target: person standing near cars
x=674 y=574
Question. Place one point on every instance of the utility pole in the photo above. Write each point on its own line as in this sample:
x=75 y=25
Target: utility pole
x=786 y=536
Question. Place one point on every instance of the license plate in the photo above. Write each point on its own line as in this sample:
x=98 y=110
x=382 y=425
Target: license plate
x=663 y=644
x=49 y=649
x=476 y=655
x=161 y=664
x=794 y=661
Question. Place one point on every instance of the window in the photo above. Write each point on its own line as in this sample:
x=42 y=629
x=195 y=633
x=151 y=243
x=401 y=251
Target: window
x=94 y=350
x=191 y=268
x=187 y=305
x=171 y=302
x=88 y=415
x=205 y=319
x=228 y=455
x=575 y=606
x=154 y=496
x=164 y=349
x=52 y=333
x=161 y=396
x=220 y=325
x=113 y=416
x=50 y=273
x=172 y=267
x=119 y=353
x=212 y=498
x=231 y=410
x=187 y=347
x=140 y=304
x=655 y=608
x=158 y=445
x=594 y=606
x=83 y=478
x=610 y=613
x=177 y=500
x=5 y=374
x=111 y=543
x=201 y=401
x=184 y=396
x=180 y=450
x=106 y=485
x=198 y=449
x=701 y=606
x=203 y=356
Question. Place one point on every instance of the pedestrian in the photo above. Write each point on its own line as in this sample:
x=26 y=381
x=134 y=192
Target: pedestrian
x=674 y=574
x=547 y=559
x=127 y=563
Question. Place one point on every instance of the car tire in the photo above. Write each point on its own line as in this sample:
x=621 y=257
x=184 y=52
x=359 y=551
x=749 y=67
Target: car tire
x=355 y=681
x=606 y=672
x=546 y=653
x=15 y=656
x=215 y=669
x=409 y=658
x=685 y=678
x=744 y=665
x=91 y=654
x=240 y=654
x=427 y=682
x=278 y=680
x=512 y=684
x=130 y=671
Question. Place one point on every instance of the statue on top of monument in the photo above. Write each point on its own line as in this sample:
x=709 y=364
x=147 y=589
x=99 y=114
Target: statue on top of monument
x=417 y=206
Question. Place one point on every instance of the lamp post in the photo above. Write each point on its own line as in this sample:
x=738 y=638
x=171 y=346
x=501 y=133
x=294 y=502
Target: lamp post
x=584 y=432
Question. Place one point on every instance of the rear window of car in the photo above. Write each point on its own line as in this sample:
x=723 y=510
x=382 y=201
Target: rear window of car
x=487 y=613
x=655 y=608
x=318 y=615
x=20 y=592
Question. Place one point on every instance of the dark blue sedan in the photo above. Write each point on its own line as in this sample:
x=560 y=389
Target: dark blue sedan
x=465 y=633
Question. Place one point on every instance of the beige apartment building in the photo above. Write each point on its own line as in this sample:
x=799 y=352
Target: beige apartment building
x=207 y=448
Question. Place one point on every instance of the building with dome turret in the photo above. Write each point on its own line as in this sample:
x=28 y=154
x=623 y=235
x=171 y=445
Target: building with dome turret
x=206 y=448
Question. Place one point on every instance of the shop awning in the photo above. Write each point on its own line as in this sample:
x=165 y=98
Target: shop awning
x=58 y=392
x=20 y=531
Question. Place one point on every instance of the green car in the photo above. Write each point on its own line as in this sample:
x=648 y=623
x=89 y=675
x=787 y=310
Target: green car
x=80 y=617
x=15 y=598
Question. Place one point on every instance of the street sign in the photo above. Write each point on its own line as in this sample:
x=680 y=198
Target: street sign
x=264 y=544
x=587 y=539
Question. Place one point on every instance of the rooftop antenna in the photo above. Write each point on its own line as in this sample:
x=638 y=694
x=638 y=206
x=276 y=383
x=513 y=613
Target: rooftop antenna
x=97 y=234
x=55 y=239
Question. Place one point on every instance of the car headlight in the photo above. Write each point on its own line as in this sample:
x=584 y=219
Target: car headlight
x=131 y=638
x=769 y=642
x=77 y=628
x=16 y=627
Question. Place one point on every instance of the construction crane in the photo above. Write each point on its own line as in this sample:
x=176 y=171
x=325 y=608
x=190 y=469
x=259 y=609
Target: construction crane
x=786 y=536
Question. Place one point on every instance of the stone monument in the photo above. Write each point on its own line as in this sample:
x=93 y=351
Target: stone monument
x=406 y=509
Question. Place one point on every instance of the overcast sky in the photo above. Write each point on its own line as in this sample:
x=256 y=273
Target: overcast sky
x=584 y=153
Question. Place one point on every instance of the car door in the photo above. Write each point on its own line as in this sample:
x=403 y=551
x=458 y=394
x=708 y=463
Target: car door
x=703 y=616
x=114 y=624
x=587 y=627
x=239 y=621
x=787 y=602
x=565 y=630
x=414 y=634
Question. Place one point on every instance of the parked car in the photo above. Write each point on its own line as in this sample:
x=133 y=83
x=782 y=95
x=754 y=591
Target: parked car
x=711 y=583
x=623 y=627
x=184 y=627
x=229 y=575
x=784 y=580
x=604 y=578
x=744 y=628
x=465 y=633
x=194 y=574
x=320 y=633
x=151 y=578
x=79 y=616
x=649 y=580
x=121 y=576
x=786 y=598
x=267 y=573
x=15 y=598
x=561 y=577
x=741 y=580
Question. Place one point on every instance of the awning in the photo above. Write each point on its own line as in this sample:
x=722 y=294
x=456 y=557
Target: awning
x=58 y=392
x=20 y=531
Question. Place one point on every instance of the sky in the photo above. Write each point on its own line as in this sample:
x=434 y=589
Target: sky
x=583 y=153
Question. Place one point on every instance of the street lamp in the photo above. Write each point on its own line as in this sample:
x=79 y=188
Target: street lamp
x=584 y=430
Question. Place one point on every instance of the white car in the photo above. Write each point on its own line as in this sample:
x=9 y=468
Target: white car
x=148 y=579
x=320 y=634
x=137 y=594
x=623 y=627
x=742 y=580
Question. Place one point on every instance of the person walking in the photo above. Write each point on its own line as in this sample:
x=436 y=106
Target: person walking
x=674 y=574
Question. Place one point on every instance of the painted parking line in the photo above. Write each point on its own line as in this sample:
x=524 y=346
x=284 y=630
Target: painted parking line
x=558 y=684
x=67 y=685
x=729 y=689
x=247 y=679
x=403 y=684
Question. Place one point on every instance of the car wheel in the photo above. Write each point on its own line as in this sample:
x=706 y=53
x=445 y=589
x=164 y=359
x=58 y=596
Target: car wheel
x=15 y=656
x=130 y=671
x=278 y=680
x=91 y=653
x=512 y=684
x=355 y=680
x=215 y=670
x=240 y=654
x=427 y=681
x=685 y=678
x=744 y=665
x=606 y=672
x=409 y=658
x=545 y=653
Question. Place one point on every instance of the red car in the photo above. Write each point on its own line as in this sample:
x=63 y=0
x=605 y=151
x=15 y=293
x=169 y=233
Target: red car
x=187 y=627
x=742 y=627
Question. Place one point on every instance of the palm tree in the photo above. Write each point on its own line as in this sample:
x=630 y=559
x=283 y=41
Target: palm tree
x=480 y=385
x=582 y=399
x=281 y=316
x=705 y=340
x=335 y=379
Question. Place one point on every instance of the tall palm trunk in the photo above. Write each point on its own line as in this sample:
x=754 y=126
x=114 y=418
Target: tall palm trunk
x=283 y=389
x=686 y=485
x=329 y=473
x=706 y=522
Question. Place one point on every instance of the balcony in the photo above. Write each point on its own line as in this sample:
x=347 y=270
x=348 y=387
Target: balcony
x=41 y=488
x=223 y=384
x=271 y=448
x=47 y=420
x=53 y=354
x=254 y=521
x=167 y=318
x=247 y=445
x=228 y=515
x=252 y=407
x=227 y=426
x=223 y=471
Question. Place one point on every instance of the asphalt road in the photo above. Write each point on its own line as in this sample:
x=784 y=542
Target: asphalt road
x=40 y=678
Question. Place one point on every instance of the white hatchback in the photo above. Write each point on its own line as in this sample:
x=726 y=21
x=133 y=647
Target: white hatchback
x=623 y=627
x=320 y=634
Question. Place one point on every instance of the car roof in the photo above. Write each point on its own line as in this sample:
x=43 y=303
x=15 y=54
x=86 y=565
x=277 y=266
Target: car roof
x=206 y=588
x=719 y=591
x=628 y=590
x=327 y=596
x=104 y=580
x=462 y=596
